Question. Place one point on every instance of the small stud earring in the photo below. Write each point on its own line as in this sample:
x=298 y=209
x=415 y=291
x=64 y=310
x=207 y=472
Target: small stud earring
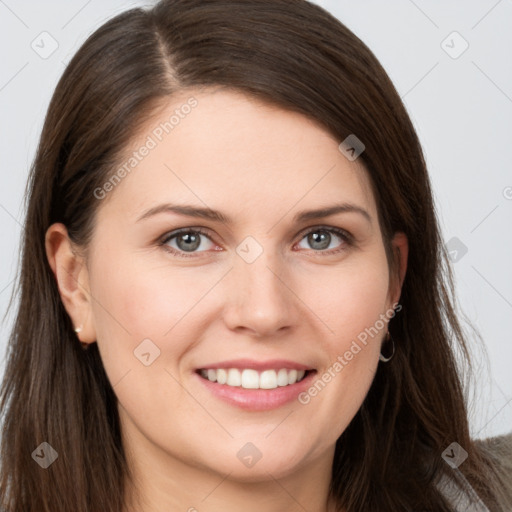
x=84 y=344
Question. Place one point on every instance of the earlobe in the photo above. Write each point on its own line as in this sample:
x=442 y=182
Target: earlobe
x=72 y=280
x=400 y=252
x=402 y=247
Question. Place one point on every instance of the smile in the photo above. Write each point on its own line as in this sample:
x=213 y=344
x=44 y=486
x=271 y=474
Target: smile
x=255 y=390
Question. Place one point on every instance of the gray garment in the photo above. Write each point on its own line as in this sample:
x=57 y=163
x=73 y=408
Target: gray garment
x=462 y=500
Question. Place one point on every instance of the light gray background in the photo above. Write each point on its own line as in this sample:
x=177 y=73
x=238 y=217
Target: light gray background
x=461 y=108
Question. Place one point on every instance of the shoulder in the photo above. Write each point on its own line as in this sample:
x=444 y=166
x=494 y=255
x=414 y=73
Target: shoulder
x=460 y=494
x=503 y=442
x=499 y=450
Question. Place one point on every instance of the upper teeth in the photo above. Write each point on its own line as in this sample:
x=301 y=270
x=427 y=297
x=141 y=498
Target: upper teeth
x=252 y=379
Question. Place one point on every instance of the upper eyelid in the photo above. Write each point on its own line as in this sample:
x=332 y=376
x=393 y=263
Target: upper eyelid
x=321 y=227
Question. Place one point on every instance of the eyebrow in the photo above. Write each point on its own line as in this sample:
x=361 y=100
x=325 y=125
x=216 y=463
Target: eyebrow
x=215 y=215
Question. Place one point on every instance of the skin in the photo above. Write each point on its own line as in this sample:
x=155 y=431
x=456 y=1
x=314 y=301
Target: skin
x=259 y=165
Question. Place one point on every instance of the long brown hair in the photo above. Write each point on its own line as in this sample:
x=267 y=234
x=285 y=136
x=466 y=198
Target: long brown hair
x=293 y=54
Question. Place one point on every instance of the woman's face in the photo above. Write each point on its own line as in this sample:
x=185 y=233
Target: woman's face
x=265 y=281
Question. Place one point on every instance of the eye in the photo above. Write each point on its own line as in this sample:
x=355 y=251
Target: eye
x=321 y=239
x=187 y=240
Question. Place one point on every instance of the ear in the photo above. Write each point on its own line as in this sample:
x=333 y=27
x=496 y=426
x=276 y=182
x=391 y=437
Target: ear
x=400 y=249
x=72 y=278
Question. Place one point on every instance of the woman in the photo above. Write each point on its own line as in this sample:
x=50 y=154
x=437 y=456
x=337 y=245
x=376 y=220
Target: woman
x=233 y=290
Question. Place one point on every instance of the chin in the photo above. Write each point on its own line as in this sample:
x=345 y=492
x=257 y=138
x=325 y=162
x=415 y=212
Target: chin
x=250 y=464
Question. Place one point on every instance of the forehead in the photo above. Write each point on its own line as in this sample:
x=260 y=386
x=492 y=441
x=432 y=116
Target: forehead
x=228 y=151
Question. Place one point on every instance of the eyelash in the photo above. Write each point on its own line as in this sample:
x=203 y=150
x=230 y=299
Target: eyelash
x=346 y=237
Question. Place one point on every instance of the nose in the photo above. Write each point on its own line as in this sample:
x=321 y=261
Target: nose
x=260 y=298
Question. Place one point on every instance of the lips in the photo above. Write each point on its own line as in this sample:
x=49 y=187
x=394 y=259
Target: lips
x=268 y=394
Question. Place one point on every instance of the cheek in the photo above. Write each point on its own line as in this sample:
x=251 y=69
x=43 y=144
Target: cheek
x=351 y=302
x=146 y=301
x=136 y=303
x=351 y=299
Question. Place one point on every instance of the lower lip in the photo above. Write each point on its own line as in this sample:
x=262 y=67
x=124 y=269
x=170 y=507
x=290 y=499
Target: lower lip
x=257 y=399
